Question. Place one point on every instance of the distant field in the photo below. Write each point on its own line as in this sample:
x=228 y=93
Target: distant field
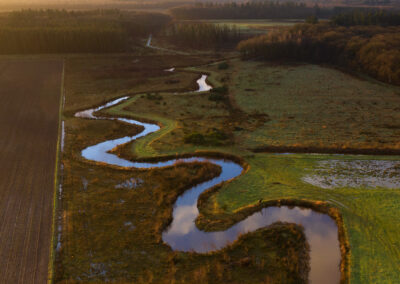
x=253 y=26
x=29 y=115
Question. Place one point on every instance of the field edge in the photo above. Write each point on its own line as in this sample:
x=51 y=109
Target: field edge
x=53 y=244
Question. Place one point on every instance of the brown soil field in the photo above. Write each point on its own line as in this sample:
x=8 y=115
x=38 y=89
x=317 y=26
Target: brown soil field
x=29 y=121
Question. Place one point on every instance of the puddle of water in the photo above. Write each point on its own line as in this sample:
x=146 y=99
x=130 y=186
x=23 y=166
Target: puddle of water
x=148 y=43
x=203 y=86
x=131 y=183
x=183 y=235
x=85 y=184
x=62 y=135
x=60 y=184
x=130 y=225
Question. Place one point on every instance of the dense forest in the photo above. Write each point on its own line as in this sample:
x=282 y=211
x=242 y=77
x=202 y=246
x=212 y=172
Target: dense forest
x=250 y=10
x=364 y=17
x=374 y=50
x=55 y=31
x=203 y=35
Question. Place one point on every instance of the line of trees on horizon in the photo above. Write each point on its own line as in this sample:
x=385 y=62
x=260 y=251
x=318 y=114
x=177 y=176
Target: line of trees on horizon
x=62 y=40
x=203 y=35
x=367 y=17
x=269 y=9
x=249 y=10
x=61 y=31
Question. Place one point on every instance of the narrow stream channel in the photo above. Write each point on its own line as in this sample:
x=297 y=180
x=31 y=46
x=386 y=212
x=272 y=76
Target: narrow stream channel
x=183 y=235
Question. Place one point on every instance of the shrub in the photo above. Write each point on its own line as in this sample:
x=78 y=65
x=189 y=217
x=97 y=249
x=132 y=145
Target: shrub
x=154 y=97
x=216 y=137
x=218 y=94
x=223 y=66
x=312 y=20
x=195 y=138
x=213 y=137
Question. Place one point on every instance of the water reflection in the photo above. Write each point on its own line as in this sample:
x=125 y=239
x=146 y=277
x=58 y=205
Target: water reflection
x=321 y=230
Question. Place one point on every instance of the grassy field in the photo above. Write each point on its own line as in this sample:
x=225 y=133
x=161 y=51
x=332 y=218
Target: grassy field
x=312 y=106
x=296 y=106
x=29 y=115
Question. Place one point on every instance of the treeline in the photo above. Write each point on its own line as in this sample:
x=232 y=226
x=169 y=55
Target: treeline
x=373 y=50
x=62 y=40
x=376 y=2
x=363 y=17
x=249 y=10
x=60 y=31
x=203 y=35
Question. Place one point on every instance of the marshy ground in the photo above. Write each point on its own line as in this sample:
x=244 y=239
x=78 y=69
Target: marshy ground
x=113 y=219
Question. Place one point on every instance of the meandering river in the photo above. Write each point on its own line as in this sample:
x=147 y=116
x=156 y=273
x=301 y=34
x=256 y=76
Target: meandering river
x=183 y=235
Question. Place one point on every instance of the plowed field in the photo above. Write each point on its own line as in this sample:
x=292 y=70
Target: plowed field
x=29 y=111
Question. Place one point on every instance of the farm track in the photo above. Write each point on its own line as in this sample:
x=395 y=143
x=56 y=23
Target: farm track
x=29 y=111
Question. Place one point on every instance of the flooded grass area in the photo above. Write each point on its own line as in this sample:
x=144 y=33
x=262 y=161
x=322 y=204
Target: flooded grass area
x=355 y=174
x=369 y=212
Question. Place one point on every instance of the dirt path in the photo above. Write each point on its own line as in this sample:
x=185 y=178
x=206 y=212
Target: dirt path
x=29 y=110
